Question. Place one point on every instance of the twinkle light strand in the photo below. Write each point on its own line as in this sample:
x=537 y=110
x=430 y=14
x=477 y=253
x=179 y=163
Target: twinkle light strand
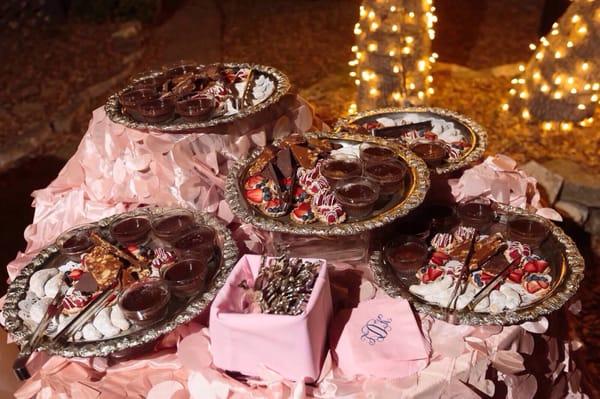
x=559 y=88
x=392 y=60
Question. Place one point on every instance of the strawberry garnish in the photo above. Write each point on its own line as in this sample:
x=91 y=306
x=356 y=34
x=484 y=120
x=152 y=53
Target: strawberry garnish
x=75 y=274
x=530 y=267
x=254 y=196
x=439 y=258
x=541 y=265
x=431 y=274
x=516 y=275
x=486 y=277
x=254 y=182
x=533 y=287
x=430 y=135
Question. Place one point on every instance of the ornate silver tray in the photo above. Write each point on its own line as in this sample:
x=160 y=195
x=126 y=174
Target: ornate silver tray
x=282 y=85
x=413 y=196
x=567 y=268
x=474 y=134
x=182 y=313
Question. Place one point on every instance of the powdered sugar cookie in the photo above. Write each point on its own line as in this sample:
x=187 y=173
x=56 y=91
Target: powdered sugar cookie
x=39 y=279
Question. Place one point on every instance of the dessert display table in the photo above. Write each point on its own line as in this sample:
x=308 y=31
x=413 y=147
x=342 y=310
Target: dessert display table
x=116 y=169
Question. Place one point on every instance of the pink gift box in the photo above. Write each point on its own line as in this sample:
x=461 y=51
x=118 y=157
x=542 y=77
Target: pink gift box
x=292 y=346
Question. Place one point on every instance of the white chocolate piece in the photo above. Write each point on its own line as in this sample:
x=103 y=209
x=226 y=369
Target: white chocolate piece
x=513 y=299
x=466 y=297
x=39 y=279
x=118 y=319
x=103 y=324
x=483 y=305
x=497 y=301
x=387 y=122
x=90 y=333
x=38 y=309
x=53 y=285
x=437 y=291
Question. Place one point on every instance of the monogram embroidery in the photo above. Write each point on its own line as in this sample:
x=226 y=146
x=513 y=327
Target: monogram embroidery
x=376 y=330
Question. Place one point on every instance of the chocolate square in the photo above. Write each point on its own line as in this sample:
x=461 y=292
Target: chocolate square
x=86 y=284
x=284 y=163
x=399 y=131
x=304 y=156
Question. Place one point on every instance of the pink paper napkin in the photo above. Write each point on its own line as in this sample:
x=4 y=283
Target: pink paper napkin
x=381 y=338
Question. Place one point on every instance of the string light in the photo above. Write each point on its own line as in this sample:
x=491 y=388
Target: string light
x=406 y=73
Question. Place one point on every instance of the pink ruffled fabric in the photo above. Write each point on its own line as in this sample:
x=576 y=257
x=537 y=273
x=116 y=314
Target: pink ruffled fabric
x=499 y=179
x=460 y=363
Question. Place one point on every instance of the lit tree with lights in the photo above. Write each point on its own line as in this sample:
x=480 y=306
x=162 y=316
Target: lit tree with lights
x=393 y=53
x=560 y=84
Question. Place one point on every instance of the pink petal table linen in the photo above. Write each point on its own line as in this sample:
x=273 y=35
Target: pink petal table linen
x=499 y=179
x=250 y=342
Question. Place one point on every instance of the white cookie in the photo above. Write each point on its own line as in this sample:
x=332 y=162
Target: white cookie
x=513 y=299
x=497 y=301
x=38 y=309
x=39 y=279
x=53 y=285
x=103 y=324
x=118 y=319
x=483 y=305
x=90 y=332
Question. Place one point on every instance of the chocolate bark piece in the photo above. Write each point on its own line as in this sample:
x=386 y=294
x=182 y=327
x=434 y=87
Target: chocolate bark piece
x=356 y=128
x=266 y=156
x=295 y=138
x=320 y=145
x=304 y=156
x=212 y=72
x=86 y=284
x=103 y=265
x=484 y=250
x=284 y=163
x=270 y=173
x=399 y=131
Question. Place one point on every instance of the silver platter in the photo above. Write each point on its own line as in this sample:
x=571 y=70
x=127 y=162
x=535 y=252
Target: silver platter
x=282 y=86
x=476 y=134
x=415 y=194
x=567 y=267
x=18 y=289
